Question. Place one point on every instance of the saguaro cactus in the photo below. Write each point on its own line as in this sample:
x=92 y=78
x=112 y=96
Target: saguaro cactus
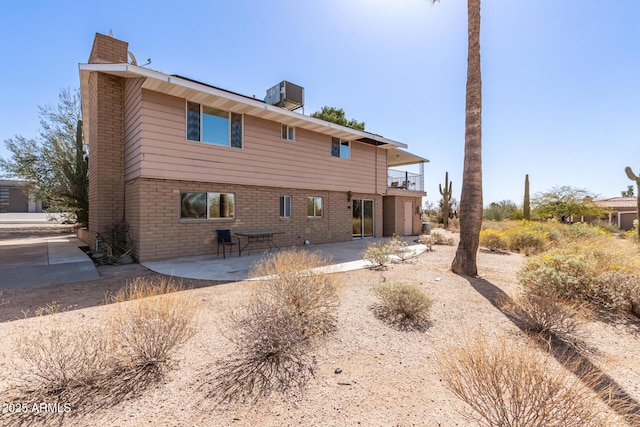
x=635 y=178
x=446 y=197
x=526 y=205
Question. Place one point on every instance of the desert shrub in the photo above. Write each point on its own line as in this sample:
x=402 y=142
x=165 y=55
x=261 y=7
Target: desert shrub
x=441 y=239
x=547 y=318
x=401 y=305
x=398 y=248
x=311 y=295
x=488 y=224
x=631 y=235
x=151 y=321
x=378 y=253
x=290 y=310
x=2 y=300
x=606 y=226
x=289 y=261
x=530 y=238
x=507 y=384
x=454 y=224
x=582 y=230
x=59 y=365
x=92 y=367
x=493 y=240
x=271 y=354
x=618 y=290
x=558 y=274
x=501 y=211
x=427 y=240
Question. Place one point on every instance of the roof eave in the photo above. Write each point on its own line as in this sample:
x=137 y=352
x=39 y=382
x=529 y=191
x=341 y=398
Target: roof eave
x=172 y=84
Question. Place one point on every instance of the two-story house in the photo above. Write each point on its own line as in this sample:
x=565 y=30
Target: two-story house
x=177 y=159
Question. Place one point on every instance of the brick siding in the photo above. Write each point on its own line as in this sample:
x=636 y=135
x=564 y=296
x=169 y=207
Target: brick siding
x=153 y=215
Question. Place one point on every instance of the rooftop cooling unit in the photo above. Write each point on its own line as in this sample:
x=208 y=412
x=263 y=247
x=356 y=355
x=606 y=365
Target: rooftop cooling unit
x=286 y=95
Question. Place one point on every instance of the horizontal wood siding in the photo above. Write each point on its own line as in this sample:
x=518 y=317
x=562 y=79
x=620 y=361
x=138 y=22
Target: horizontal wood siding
x=265 y=159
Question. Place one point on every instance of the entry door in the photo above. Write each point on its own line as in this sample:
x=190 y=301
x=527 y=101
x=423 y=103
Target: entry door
x=362 y=218
x=408 y=218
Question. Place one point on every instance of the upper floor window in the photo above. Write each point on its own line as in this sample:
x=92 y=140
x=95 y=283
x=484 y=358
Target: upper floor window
x=288 y=133
x=339 y=148
x=207 y=124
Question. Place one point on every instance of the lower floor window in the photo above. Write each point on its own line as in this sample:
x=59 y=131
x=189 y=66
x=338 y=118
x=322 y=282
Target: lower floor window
x=285 y=206
x=207 y=205
x=314 y=207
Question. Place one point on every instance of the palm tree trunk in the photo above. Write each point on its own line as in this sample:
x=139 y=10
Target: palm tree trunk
x=471 y=197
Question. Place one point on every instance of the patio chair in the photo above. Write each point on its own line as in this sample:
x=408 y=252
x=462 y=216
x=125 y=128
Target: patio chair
x=224 y=239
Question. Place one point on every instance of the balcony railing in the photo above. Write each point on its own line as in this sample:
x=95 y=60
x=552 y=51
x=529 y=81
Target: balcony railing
x=405 y=180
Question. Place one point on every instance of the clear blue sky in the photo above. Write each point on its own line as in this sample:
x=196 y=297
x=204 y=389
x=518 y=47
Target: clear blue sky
x=561 y=79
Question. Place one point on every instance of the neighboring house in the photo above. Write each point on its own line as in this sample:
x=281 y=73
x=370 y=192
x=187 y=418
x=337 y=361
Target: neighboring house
x=623 y=211
x=15 y=197
x=177 y=159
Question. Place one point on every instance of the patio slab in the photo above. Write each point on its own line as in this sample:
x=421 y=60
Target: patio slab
x=345 y=256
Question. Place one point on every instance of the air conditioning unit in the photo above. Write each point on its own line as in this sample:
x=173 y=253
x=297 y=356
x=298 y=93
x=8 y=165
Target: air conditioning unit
x=286 y=95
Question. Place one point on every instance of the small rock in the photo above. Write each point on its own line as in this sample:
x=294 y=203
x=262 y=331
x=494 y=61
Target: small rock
x=97 y=255
x=338 y=371
x=125 y=259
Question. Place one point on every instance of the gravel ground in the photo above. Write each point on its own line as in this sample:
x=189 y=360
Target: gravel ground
x=388 y=378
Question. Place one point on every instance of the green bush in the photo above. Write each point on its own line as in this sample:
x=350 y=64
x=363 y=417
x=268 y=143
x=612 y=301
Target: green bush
x=558 y=273
x=402 y=305
x=493 y=240
x=606 y=226
x=582 y=230
x=501 y=211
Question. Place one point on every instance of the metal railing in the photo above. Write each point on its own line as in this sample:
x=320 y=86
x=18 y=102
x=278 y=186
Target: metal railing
x=405 y=180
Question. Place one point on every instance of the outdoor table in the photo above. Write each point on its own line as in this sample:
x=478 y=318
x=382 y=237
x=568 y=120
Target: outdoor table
x=258 y=236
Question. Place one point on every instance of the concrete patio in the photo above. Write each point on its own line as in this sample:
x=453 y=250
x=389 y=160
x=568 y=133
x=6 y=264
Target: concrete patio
x=345 y=256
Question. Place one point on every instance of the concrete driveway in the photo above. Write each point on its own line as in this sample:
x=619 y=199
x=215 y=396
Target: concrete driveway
x=35 y=252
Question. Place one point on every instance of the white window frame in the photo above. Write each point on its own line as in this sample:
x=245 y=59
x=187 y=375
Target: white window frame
x=285 y=206
x=288 y=133
x=314 y=209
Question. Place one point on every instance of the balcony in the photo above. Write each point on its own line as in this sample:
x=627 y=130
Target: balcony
x=404 y=180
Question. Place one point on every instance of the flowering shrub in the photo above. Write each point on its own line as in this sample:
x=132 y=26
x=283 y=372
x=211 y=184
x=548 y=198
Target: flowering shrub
x=530 y=238
x=493 y=240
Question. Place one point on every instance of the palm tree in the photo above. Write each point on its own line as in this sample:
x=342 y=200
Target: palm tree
x=471 y=196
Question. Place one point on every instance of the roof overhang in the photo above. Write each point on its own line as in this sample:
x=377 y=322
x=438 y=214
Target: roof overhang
x=397 y=157
x=229 y=101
